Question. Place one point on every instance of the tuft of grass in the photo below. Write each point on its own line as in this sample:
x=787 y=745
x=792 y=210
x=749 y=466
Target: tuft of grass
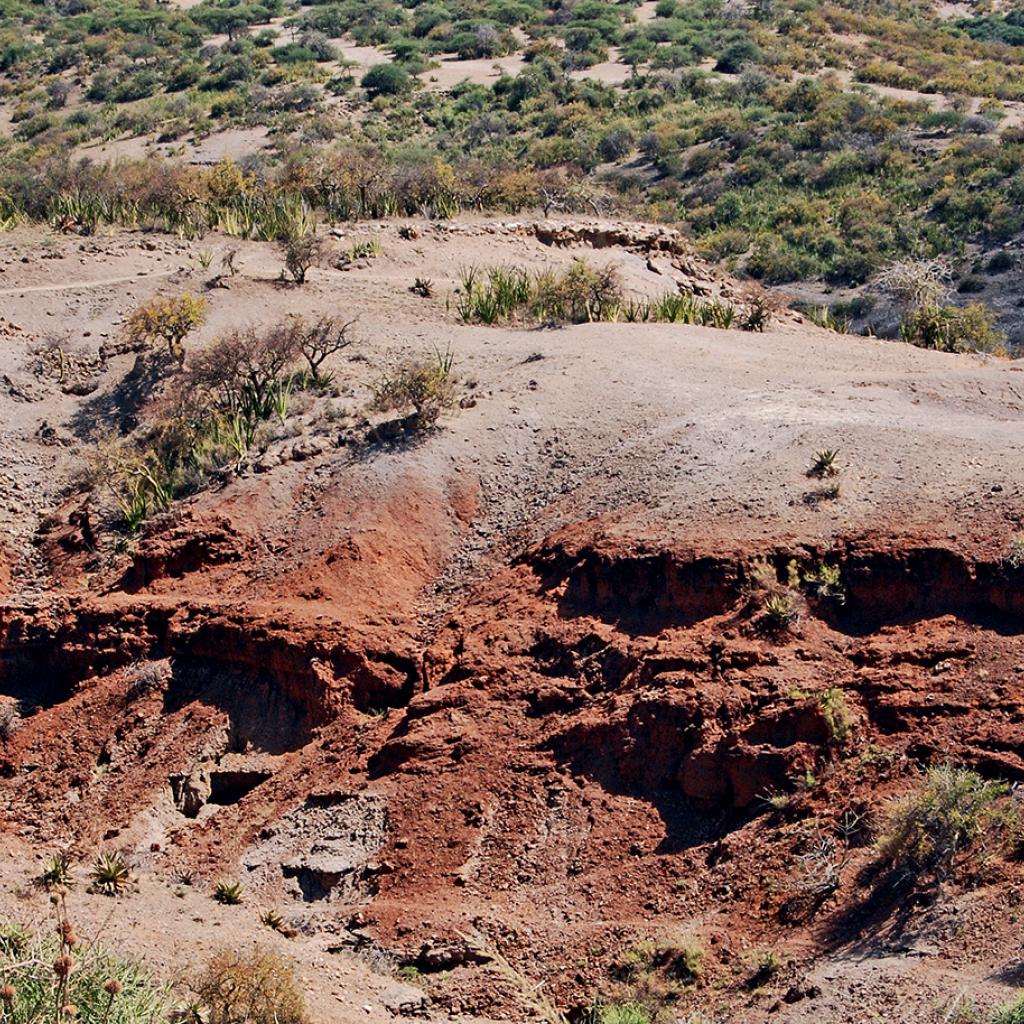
x=623 y=1013
x=272 y=919
x=365 y=249
x=825 y=317
x=14 y=940
x=56 y=870
x=145 y=678
x=838 y=719
x=779 y=611
x=228 y=893
x=1011 y=1013
x=823 y=463
x=110 y=874
x=825 y=581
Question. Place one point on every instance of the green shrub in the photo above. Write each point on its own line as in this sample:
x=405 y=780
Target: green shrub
x=386 y=80
x=969 y=328
x=101 y=986
x=581 y=294
x=170 y=320
x=932 y=827
x=823 y=463
x=825 y=581
x=1012 y=1013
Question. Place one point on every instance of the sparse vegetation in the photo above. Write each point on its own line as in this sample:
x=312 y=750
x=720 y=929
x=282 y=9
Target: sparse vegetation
x=423 y=385
x=273 y=920
x=322 y=339
x=145 y=678
x=825 y=581
x=586 y=294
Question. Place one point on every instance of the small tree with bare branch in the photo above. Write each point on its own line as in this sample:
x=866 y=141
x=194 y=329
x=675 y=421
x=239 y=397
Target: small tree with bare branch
x=320 y=340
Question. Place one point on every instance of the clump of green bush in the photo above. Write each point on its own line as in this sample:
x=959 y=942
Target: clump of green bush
x=969 y=328
x=580 y=294
x=585 y=294
x=952 y=813
x=59 y=978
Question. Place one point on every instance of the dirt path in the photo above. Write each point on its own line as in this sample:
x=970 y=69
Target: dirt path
x=84 y=285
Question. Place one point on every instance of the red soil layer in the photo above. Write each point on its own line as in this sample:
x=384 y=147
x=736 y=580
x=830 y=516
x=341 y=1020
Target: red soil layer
x=581 y=753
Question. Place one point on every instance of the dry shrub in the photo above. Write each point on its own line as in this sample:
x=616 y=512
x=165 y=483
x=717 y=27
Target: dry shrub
x=254 y=986
x=301 y=252
x=423 y=385
x=916 y=283
x=324 y=338
x=244 y=366
x=582 y=294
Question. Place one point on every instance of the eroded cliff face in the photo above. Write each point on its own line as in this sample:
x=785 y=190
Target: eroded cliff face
x=604 y=735
x=596 y=661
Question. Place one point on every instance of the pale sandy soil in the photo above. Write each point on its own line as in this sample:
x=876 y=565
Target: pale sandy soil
x=892 y=408
x=452 y=71
x=174 y=928
x=647 y=11
x=608 y=72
